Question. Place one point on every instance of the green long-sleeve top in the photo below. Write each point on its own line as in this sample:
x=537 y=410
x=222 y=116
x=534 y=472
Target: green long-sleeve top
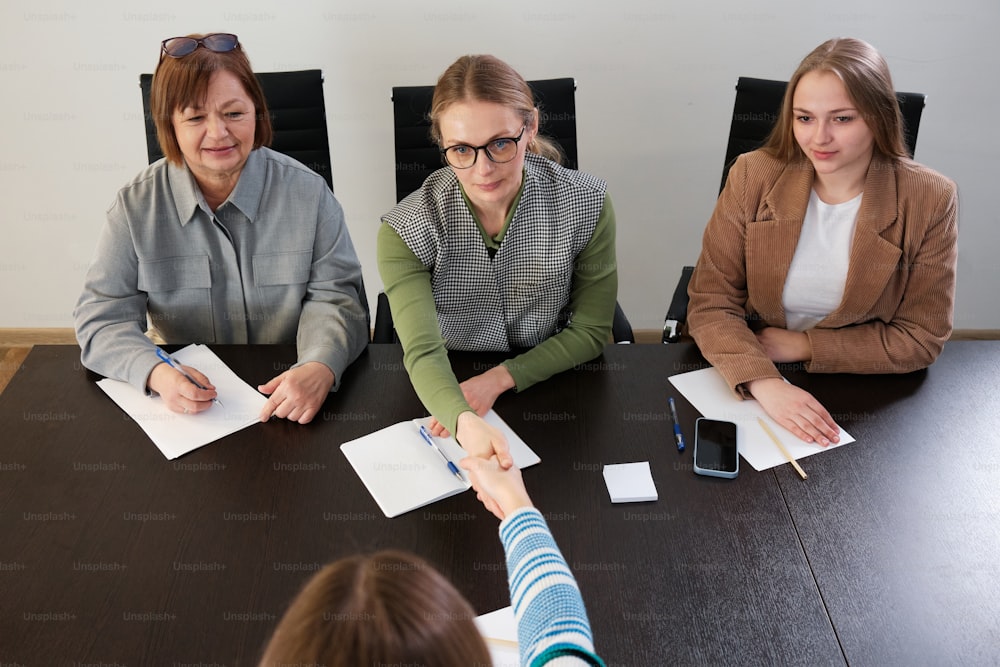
x=407 y=284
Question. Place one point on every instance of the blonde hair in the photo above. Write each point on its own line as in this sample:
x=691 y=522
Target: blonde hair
x=387 y=608
x=866 y=77
x=486 y=78
x=182 y=82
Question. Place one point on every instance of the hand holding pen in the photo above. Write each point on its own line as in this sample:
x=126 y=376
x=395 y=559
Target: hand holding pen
x=182 y=389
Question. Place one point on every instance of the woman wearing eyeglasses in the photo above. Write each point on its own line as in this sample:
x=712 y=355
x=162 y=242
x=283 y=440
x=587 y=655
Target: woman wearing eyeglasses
x=222 y=241
x=503 y=249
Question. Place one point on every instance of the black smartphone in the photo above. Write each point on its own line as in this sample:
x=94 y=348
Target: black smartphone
x=715 y=450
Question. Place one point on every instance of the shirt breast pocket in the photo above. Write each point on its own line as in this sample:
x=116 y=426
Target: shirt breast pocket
x=179 y=297
x=282 y=278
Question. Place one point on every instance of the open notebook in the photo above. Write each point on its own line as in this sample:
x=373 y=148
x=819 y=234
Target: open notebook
x=403 y=472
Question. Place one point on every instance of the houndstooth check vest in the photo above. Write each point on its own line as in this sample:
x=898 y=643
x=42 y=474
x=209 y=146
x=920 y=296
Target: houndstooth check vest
x=517 y=298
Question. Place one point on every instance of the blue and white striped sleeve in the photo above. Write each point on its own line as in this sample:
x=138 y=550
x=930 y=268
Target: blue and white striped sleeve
x=552 y=625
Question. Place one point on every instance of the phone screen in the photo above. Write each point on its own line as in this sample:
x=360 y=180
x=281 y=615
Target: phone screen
x=715 y=445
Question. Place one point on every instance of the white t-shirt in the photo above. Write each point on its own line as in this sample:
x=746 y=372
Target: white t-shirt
x=815 y=283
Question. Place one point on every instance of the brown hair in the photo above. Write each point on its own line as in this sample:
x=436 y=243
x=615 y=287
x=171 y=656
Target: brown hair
x=486 y=78
x=387 y=608
x=182 y=82
x=866 y=77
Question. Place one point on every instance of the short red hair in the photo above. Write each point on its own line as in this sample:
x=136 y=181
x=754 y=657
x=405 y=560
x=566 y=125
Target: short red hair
x=182 y=82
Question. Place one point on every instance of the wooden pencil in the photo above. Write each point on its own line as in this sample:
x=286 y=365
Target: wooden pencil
x=788 y=457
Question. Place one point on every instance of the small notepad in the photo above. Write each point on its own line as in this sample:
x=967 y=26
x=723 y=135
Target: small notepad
x=630 y=482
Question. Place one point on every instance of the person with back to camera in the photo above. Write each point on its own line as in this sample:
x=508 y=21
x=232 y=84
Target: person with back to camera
x=503 y=249
x=828 y=246
x=393 y=608
x=222 y=241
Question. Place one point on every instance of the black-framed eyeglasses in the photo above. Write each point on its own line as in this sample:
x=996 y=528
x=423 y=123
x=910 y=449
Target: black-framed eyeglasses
x=217 y=42
x=462 y=156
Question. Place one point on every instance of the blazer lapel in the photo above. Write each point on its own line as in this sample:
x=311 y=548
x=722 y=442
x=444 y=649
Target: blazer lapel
x=772 y=237
x=873 y=259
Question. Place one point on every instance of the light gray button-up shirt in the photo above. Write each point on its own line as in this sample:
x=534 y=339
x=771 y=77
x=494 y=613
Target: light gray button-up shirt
x=273 y=264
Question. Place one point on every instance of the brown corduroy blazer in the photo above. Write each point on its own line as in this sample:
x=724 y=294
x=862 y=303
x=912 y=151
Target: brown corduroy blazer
x=899 y=297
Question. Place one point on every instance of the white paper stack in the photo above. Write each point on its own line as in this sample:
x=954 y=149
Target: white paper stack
x=630 y=482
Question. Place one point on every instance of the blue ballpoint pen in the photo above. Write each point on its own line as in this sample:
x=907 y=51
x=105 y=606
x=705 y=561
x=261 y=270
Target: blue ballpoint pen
x=173 y=363
x=677 y=426
x=430 y=441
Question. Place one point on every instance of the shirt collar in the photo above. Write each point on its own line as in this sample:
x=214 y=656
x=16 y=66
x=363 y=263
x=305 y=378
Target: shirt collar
x=187 y=197
x=245 y=196
x=249 y=189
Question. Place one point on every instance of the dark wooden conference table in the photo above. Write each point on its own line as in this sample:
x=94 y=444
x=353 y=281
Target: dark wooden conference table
x=887 y=554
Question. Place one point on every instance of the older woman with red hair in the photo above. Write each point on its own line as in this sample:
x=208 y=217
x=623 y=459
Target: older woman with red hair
x=222 y=241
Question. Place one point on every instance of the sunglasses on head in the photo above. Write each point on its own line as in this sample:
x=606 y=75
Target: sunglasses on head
x=217 y=42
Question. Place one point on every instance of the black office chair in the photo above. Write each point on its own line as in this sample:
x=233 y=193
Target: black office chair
x=298 y=117
x=384 y=331
x=755 y=112
x=417 y=157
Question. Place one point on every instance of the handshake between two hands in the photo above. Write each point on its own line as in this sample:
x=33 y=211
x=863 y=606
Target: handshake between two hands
x=495 y=478
x=501 y=490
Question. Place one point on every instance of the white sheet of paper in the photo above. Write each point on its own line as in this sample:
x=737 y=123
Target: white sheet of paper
x=630 y=482
x=403 y=473
x=499 y=629
x=177 y=434
x=709 y=393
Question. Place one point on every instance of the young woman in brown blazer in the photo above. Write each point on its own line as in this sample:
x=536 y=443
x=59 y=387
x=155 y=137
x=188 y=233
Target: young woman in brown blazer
x=828 y=246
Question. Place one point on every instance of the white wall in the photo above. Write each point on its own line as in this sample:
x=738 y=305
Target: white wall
x=655 y=94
